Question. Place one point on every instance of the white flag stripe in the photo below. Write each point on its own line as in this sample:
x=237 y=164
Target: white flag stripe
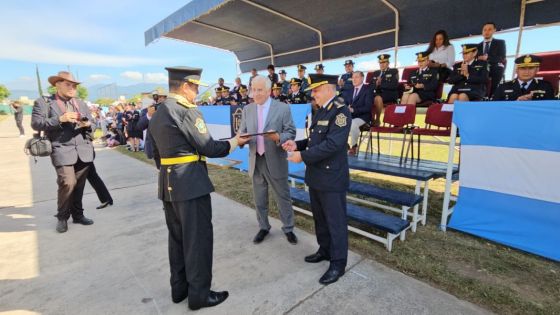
x=520 y=172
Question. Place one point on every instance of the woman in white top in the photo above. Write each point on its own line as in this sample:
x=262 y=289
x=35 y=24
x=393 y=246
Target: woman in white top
x=442 y=54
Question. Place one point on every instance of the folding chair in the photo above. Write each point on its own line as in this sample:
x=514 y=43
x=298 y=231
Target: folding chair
x=396 y=119
x=438 y=123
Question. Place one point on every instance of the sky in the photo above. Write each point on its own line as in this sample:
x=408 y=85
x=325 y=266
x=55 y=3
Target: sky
x=102 y=42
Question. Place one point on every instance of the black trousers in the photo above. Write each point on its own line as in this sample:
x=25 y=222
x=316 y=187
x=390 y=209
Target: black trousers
x=191 y=243
x=331 y=224
x=71 y=180
x=19 y=123
x=496 y=74
x=98 y=185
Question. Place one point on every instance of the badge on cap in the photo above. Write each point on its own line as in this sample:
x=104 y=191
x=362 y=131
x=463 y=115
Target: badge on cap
x=200 y=125
x=340 y=120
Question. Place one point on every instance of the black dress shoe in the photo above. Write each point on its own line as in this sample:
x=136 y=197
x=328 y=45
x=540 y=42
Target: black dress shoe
x=83 y=220
x=62 y=226
x=178 y=296
x=260 y=236
x=331 y=276
x=214 y=298
x=291 y=238
x=315 y=258
x=105 y=204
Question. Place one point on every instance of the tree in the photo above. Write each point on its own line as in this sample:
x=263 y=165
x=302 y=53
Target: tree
x=4 y=92
x=104 y=101
x=82 y=92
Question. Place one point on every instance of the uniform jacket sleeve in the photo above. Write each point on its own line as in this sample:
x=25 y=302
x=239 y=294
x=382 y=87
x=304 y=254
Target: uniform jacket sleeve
x=335 y=141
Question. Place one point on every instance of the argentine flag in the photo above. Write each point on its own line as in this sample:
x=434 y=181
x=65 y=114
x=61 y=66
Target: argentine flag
x=510 y=174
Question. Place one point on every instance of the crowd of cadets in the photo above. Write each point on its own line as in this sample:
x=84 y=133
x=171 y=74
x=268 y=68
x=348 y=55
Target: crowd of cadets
x=482 y=68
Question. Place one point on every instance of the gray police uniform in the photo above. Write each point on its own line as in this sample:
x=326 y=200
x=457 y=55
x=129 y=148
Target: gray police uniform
x=327 y=175
x=181 y=142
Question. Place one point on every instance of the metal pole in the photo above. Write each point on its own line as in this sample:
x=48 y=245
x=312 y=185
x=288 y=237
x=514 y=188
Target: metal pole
x=397 y=21
x=448 y=178
x=520 y=33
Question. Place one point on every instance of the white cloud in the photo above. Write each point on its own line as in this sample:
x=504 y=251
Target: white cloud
x=99 y=77
x=158 y=77
x=132 y=75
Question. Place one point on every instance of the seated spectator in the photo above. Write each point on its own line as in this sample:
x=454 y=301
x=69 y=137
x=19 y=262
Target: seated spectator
x=385 y=82
x=359 y=101
x=272 y=76
x=297 y=96
x=285 y=84
x=442 y=54
x=235 y=91
x=422 y=83
x=243 y=97
x=319 y=69
x=468 y=77
x=224 y=97
x=525 y=87
x=277 y=93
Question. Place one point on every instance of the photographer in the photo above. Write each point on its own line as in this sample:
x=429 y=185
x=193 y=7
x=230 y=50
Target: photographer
x=66 y=122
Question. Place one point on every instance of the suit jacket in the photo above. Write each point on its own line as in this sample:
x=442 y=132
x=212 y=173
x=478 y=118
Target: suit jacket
x=362 y=103
x=279 y=118
x=496 y=53
x=68 y=143
x=324 y=152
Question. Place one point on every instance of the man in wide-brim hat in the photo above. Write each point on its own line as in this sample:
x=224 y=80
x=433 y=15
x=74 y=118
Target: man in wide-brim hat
x=65 y=120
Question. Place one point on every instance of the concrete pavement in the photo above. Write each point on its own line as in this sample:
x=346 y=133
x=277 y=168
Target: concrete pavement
x=119 y=265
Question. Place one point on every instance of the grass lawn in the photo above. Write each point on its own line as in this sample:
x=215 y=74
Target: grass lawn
x=501 y=279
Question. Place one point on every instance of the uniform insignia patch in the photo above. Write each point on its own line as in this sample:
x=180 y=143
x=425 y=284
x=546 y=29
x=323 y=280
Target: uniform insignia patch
x=200 y=125
x=340 y=120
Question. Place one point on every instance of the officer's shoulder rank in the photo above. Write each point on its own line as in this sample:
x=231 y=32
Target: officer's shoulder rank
x=341 y=120
x=339 y=102
x=200 y=125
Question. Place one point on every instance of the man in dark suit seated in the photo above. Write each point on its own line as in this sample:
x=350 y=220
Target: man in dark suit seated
x=493 y=51
x=525 y=87
x=385 y=82
x=359 y=101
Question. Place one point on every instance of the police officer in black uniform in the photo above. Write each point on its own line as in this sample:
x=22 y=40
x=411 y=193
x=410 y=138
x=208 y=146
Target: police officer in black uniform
x=285 y=84
x=181 y=143
x=297 y=96
x=385 y=83
x=319 y=68
x=304 y=80
x=423 y=83
x=243 y=96
x=326 y=174
x=345 y=83
x=277 y=93
x=469 y=78
x=525 y=87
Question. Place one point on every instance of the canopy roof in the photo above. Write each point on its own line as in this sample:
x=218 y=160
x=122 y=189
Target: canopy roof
x=290 y=32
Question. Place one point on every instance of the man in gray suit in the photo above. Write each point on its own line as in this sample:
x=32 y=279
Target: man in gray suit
x=268 y=163
x=66 y=121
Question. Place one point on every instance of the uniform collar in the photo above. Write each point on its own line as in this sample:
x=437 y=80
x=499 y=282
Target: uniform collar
x=328 y=102
x=181 y=100
x=528 y=82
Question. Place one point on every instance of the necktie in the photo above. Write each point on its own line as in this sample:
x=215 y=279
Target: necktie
x=486 y=48
x=260 y=127
x=355 y=93
x=524 y=87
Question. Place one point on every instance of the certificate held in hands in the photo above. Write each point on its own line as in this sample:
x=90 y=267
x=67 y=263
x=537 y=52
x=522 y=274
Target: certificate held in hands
x=270 y=132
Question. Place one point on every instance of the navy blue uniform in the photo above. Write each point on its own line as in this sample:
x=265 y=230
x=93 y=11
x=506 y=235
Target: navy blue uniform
x=347 y=84
x=297 y=98
x=327 y=175
x=511 y=90
x=475 y=85
x=430 y=78
x=285 y=87
x=388 y=88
